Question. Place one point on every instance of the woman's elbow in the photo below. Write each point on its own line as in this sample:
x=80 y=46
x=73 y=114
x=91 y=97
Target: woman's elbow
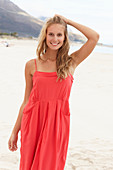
x=97 y=37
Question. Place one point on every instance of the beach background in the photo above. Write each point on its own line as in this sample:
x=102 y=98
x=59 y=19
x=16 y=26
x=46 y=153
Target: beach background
x=91 y=108
x=91 y=129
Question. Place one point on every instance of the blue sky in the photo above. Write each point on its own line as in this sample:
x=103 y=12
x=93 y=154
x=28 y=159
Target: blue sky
x=97 y=14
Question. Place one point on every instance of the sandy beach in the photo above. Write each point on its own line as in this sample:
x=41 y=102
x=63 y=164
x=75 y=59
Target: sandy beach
x=91 y=108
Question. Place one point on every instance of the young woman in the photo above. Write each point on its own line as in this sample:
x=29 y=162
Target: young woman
x=44 y=116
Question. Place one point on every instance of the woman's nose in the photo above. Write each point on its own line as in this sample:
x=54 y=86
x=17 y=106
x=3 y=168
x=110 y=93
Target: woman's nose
x=55 y=38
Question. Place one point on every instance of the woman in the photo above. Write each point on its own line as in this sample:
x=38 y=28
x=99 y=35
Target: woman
x=44 y=116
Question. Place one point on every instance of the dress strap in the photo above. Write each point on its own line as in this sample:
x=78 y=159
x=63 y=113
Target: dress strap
x=35 y=64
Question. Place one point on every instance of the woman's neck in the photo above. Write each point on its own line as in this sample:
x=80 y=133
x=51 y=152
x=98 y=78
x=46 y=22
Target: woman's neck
x=50 y=54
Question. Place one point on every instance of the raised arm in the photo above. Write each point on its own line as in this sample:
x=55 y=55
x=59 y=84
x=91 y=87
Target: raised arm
x=12 y=143
x=90 y=44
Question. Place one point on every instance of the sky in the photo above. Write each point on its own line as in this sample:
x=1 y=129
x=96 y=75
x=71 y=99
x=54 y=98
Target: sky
x=96 y=14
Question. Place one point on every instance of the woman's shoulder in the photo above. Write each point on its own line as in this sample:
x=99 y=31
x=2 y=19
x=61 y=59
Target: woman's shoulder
x=30 y=62
x=29 y=65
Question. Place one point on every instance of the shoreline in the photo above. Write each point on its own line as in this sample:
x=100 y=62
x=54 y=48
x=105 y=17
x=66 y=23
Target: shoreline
x=34 y=38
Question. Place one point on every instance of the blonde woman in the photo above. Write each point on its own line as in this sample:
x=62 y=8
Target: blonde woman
x=44 y=116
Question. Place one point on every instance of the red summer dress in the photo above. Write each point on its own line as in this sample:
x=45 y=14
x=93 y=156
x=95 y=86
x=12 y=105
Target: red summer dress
x=45 y=123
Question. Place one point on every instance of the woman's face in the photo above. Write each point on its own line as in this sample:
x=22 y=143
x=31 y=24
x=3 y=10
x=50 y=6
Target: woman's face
x=55 y=36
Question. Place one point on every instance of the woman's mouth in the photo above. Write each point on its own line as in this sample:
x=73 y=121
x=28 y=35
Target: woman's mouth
x=54 y=44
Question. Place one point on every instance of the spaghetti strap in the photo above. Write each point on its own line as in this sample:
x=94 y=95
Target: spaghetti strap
x=35 y=64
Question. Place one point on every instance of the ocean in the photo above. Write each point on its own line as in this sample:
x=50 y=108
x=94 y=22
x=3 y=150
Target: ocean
x=98 y=48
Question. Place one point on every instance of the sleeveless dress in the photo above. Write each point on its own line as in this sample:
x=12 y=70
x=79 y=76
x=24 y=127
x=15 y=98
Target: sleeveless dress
x=45 y=123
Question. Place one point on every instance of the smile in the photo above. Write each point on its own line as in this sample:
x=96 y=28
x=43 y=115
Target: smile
x=54 y=44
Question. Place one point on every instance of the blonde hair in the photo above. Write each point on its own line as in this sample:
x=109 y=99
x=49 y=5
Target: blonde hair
x=63 y=60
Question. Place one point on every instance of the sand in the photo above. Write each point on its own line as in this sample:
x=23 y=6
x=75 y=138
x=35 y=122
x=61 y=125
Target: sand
x=91 y=139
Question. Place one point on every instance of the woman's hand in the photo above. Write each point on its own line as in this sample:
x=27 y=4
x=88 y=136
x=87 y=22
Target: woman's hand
x=12 y=143
x=65 y=19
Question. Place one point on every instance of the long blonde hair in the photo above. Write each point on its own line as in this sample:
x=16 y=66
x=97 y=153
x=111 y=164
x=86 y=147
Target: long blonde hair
x=63 y=60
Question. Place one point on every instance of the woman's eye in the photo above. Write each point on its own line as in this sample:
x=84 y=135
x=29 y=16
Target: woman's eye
x=59 y=34
x=50 y=33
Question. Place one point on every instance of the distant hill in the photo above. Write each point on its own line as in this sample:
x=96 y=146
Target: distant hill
x=43 y=18
x=14 y=19
x=76 y=38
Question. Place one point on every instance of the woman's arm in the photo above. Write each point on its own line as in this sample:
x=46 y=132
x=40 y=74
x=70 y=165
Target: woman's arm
x=88 y=47
x=90 y=44
x=12 y=143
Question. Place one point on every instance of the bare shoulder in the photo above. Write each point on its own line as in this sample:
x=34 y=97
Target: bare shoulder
x=30 y=67
x=30 y=62
x=28 y=77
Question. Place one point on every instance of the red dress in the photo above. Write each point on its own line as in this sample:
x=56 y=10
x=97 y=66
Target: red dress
x=45 y=123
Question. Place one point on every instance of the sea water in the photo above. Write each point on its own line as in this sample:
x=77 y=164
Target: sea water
x=98 y=48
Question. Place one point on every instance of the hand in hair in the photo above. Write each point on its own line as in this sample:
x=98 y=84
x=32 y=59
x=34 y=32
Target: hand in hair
x=65 y=19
